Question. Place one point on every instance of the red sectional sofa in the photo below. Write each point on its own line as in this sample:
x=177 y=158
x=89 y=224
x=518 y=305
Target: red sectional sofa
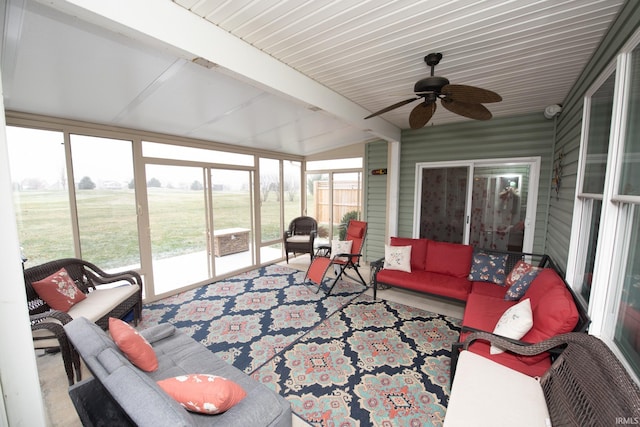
x=443 y=269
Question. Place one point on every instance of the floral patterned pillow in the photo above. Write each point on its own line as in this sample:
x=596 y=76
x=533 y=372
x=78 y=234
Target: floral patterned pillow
x=520 y=279
x=59 y=291
x=488 y=268
x=397 y=258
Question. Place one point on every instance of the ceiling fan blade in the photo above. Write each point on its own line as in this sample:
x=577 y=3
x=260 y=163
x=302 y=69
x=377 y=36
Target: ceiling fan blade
x=421 y=114
x=467 y=109
x=392 y=107
x=470 y=94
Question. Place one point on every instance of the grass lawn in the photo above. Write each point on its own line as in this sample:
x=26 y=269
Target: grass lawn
x=108 y=223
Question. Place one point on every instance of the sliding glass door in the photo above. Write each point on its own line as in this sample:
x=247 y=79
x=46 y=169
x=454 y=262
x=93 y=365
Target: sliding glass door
x=444 y=193
x=178 y=224
x=486 y=205
x=498 y=206
x=232 y=209
x=201 y=224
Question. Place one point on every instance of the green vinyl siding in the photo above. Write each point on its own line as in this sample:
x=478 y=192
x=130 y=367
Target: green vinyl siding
x=375 y=200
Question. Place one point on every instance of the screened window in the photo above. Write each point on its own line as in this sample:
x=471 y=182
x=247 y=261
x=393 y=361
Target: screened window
x=353 y=163
x=270 y=199
x=627 y=327
x=598 y=137
x=630 y=174
x=595 y=149
x=177 y=152
x=106 y=201
x=626 y=332
x=40 y=193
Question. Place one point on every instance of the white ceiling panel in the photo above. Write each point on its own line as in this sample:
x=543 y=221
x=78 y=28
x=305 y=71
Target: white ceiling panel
x=85 y=60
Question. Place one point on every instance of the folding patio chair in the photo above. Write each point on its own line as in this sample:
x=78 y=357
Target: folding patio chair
x=321 y=264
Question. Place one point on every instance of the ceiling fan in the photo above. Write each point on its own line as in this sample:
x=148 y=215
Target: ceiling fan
x=460 y=99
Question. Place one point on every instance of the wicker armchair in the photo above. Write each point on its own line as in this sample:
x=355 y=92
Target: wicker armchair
x=586 y=385
x=102 y=302
x=300 y=236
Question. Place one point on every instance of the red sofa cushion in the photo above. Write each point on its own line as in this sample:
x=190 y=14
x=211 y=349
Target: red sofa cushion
x=453 y=259
x=418 y=250
x=554 y=311
x=483 y=311
x=423 y=281
x=489 y=289
x=533 y=368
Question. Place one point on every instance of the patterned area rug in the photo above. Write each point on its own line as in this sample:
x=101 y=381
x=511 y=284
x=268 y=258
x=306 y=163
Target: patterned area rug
x=250 y=318
x=372 y=363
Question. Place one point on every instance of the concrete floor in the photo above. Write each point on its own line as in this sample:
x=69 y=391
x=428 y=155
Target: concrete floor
x=53 y=381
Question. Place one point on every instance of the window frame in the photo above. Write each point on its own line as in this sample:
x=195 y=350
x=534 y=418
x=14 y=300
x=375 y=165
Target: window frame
x=617 y=210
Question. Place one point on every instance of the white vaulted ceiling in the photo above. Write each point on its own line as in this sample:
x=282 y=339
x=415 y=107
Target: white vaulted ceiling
x=292 y=76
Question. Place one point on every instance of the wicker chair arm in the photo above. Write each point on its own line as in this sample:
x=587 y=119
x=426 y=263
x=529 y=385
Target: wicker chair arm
x=514 y=346
x=129 y=276
x=55 y=328
x=100 y=276
x=60 y=316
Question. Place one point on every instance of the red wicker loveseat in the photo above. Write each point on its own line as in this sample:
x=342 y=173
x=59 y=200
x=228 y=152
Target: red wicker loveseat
x=451 y=271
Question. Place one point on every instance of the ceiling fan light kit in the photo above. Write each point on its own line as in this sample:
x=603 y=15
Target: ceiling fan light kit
x=463 y=100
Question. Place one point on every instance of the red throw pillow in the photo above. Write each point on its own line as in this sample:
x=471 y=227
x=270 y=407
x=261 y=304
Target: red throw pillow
x=206 y=394
x=59 y=291
x=133 y=345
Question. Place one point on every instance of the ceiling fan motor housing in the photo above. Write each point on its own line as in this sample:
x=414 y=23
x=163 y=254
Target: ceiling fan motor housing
x=430 y=84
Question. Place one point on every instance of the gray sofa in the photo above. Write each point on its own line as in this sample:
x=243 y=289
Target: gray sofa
x=121 y=394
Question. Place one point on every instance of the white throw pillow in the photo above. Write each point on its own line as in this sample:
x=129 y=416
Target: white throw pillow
x=397 y=258
x=341 y=247
x=514 y=323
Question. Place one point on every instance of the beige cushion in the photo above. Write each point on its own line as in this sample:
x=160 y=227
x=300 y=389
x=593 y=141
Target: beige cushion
x=299 y=238
x=97 y=304
x=485 y=393
x=101 y=301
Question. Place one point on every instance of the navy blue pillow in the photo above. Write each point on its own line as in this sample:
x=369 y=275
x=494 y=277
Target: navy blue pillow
x=488 y=268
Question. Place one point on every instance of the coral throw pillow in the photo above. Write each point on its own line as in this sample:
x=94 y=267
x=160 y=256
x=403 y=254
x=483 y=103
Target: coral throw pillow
x=133 y=345
x=206 y=394
x=59 y=291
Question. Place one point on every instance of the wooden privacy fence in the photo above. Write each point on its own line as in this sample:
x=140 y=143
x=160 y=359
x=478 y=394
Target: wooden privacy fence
x=346 y=198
